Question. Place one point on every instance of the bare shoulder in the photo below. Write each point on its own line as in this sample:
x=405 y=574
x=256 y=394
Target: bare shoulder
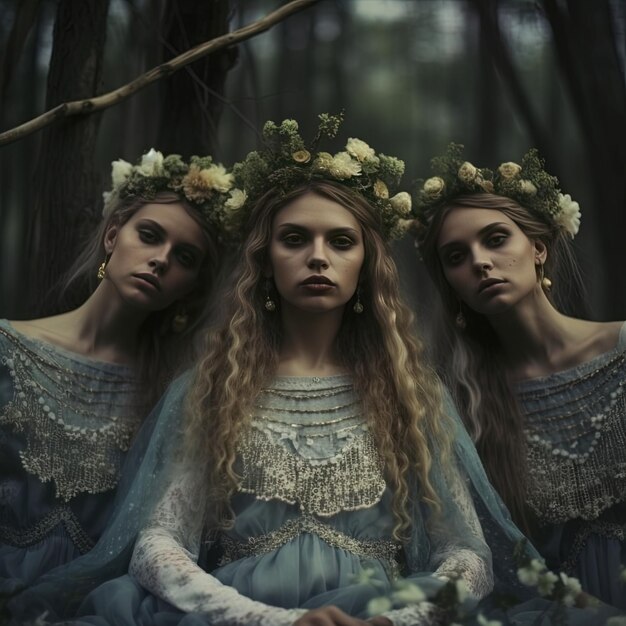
x=49 y=329
x=598 y=337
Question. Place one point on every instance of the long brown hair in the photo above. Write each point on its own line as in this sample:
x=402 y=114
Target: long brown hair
x=400 y=395
x=471 y=358
x=160 y=352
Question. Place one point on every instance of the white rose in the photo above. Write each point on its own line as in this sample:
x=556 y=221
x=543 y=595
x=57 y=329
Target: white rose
x=151 y=163
x=360 y=150
x=434 y=186
x=527 y=187
x=237 y=199
x=120 y=171
x=569 y=215
x=467 y=172
x=344 y=166
x=509 y=169
x=401 y=203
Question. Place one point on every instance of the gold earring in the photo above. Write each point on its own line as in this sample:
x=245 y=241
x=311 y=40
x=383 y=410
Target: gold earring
x=460 y=320
x=180 y=321
x=357 y=307
x=546 y=283
x=269 y=305
x=101 y=270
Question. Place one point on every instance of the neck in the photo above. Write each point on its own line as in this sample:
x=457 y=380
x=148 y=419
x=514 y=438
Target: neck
x=532 y=334
x=105 y=327
x=308 y=347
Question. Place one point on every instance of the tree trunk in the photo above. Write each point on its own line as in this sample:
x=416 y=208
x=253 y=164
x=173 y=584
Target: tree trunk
x=192 y=99
x=64 y=197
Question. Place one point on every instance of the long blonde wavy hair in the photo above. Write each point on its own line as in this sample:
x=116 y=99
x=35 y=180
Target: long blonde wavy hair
x=471 y=360
x=401 y=396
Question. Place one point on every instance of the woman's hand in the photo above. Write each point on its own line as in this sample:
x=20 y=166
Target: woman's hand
x=332 y=616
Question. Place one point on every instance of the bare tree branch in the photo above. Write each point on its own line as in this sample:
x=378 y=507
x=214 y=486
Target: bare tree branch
x=98 y=103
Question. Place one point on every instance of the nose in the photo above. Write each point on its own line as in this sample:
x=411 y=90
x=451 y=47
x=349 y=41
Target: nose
x=318 y=258
x=159 y=261
x=482 y=263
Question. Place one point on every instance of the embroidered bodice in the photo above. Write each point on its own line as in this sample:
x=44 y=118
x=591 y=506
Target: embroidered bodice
x=312 y=490
x=575 y=426
x=66 y=422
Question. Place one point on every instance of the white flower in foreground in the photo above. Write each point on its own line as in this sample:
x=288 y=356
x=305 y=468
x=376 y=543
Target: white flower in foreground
x=616 y=620
x=529 y=575
x=545 y=585
x=462 y=590
x=572 y=589
x=408 y=593
x=509 y=169
x=434 y=186
x=467 y=172
x=376 y=606
x=569 y=216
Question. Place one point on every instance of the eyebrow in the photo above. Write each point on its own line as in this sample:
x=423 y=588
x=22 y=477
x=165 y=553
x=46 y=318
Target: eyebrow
x=162 y=231
x=482 y=231
x=333 y=231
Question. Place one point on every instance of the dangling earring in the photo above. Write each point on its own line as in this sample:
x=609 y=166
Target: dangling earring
x=357 y=307
x=460 y=320
x=546 y=283
x=101 y=270
x=180 y=321
x=269 y=305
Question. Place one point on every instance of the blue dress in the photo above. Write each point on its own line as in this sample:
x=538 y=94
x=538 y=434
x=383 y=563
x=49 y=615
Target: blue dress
x=66 y=422
x=313 y=526
x=575 y=427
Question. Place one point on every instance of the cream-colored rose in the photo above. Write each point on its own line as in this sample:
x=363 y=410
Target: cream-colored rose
x=401 y=203
x=199 y=185
x=237 y=199
x=120 y=171
x=301 y=156
x=527 y=187
x=569 y=215
x=434 y=186
x=360 y=150
x=151 y=163
x=216 y=177
x=509 y=169
x=381 y=190
x=323 y=161
x=467 y=173
x=344 y=166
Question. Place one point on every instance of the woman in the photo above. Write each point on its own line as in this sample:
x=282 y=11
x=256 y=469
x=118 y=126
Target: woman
x=317 y=460
x=74 y=387
x=541 y=391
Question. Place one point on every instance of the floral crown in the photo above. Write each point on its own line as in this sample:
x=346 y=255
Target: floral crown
x=206 y=185
x=526 y=183
x=286 y=162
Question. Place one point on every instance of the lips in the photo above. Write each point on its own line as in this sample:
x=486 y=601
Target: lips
x=149 y=278
x=318 y=279
x=488 y=282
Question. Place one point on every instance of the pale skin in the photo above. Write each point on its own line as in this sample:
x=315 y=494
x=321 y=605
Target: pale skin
x=492 y=266
x=154 y=260
x=316 y=255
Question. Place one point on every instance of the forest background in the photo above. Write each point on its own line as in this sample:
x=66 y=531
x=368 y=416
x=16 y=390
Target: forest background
x=499 y=76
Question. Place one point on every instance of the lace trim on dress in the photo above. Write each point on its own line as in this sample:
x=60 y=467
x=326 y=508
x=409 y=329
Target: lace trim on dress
x=31 y=535
x=77 y=424
x=379 y=549
x=576 y=444
x=351 y=480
